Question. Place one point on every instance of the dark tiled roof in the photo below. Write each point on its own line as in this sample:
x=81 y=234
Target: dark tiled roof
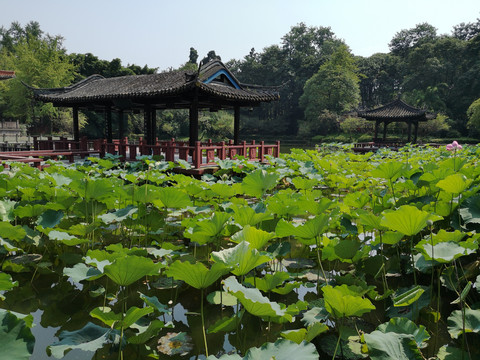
x=4 y=74
x=396 y=110
x=155 y=86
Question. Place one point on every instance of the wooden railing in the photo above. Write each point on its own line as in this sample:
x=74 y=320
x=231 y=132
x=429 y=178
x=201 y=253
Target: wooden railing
x=201 y=155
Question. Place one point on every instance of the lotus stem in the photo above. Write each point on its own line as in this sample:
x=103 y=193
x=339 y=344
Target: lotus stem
x=336 y=347
x=203 y=324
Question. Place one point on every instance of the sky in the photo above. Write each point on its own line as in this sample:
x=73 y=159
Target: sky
x=159 y=33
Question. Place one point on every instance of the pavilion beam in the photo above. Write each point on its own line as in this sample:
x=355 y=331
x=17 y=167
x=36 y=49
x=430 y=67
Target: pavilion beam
x=108 y=124
x=236 y=125
x=76 y=130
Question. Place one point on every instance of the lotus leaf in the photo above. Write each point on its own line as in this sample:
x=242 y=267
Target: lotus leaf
x=283 y=350
x=342 y=301
x=455 y=322
x=197 y=275
x=118 y=321
x=255 y=237
x=259 y=182
x=391 y=345
x=11 y=232
x=455 y=183
x=407 y=219
x=81 y=272
x=16 y=338
x=125 y=271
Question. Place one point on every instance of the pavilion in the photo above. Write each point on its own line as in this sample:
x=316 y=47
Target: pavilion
x=396 y=111
x=212 y=87
x=5 y=74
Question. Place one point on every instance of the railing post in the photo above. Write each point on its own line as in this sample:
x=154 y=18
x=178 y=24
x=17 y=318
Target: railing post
x=262 y=151
x=244 y=148
x=50 y=143
x=197 y=155
x=133 y=152
x=223 y=151
x=277 y=151
x=252 y=153
x=35 y=143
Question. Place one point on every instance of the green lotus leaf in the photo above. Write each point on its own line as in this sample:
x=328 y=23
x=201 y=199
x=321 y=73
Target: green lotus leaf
x=455 y=322
x=444 y=236
x=16 y=338
x=197 y=275
x=455 y=183
x=227 y=324
x=225 y=357
x=347 y=249
x=90 y=338
x=470 y=210
x=29 y=210
x=127 y=270
x=270 y=282
x=6 y=210
x=409 y=297
x=310 y=230
x=448 y=352
x=283 y=350
x=407 y=219
x=155 y=304
x=225 y=191
x=259 y=182
x=246 y=215
x=392 y=237
x=253 y=300
x=391 y=345
x=255 y=237
x=50 y=218
x=172 y=198
x=303 y=334
x=11 y=232
x=118 y=215
x=80 y=272
x=146 y=334
x=302 y=183
x=401 y=325
x=342 y=301
x=241 y=258
x=6 y=282
x=222 y=298
x=65 y=238
x=445 y=252
x=315 y=315
x=206 y=230
x=389 y=170
x=314 y=206
x=118 y=321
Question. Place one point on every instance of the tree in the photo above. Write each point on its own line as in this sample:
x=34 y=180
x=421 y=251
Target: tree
x=473 y=114
x=405 y=40
x=334 y=87
x=466 y=31
x=193 y=57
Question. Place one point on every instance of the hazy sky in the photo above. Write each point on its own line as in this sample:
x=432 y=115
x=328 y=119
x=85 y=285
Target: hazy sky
x=159 y=33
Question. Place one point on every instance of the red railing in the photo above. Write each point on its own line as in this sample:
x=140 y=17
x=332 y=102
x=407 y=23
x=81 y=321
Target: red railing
x=201 y=155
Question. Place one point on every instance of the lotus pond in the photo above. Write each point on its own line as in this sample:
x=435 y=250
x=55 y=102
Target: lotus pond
x=317 y=254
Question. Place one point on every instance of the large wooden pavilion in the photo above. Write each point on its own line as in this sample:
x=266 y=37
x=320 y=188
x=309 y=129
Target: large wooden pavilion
x=396 y=111
x=6 y=74
x=212 y=87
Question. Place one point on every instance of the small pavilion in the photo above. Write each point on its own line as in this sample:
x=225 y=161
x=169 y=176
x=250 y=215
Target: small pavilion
x=212 y=87
x=5 y=74
x=396 y=111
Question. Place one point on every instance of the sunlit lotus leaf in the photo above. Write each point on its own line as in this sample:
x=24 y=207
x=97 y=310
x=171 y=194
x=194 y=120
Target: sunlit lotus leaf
x=445 y=252
x=6 y=210
x=341 y=301
x=118 y=215
x=368 y=219
x=315 y=206
x=456 y=325
x=269 y=281
x=207 y=229
x=65 y=238
x=470 y=210
x=82 y=229
x=246 y=215
x=448 y=352
x=390 y=345
x=303 y=334
x=225 y=357
x=222 y=298
x=8 y=231
x=170 y=197
x=127 y=270
x=407 y=219
x=226 y=190
x=391 y=237
x=90 y=338
x=259 y=182
x=118 y=321
x=255 y=237
x=146 y=334
x=29 y=210
x=119 y=249
x=16 y=338
x=197 y=275
x=285 y=203
x=408 y=297
x=455 y=184
x=283 y=350
x=60 y=179
x=252 y=299
x=302 y=183
x=50 y=218
x=310 y=230
x=241 y=258
x=155 y=304
x=389 y=170
x=6 y=283
x=401 y=325
x=227 y=324
x=80 y=272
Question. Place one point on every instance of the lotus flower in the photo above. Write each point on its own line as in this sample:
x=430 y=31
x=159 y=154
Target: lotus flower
x=454 y=146
x=175 y=344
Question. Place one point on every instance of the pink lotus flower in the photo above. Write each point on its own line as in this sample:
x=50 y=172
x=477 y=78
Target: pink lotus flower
x=454 y=146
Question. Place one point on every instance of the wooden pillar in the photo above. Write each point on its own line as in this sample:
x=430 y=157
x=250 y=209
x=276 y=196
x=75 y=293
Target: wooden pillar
x=377 y=123
x=236 y=125
x=76 y=131
x=193 y=118
x=147 y=124
x=385 y=123
x=409 y=131
x=108 y=124
x=121 y=121
x=153 y=130
x=415 y=132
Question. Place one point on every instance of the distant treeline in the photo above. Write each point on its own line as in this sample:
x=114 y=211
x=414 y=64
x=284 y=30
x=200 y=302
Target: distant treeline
x=319 y=79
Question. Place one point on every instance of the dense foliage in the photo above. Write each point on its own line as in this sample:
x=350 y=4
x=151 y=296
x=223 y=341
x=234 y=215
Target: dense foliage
x=317 y=253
